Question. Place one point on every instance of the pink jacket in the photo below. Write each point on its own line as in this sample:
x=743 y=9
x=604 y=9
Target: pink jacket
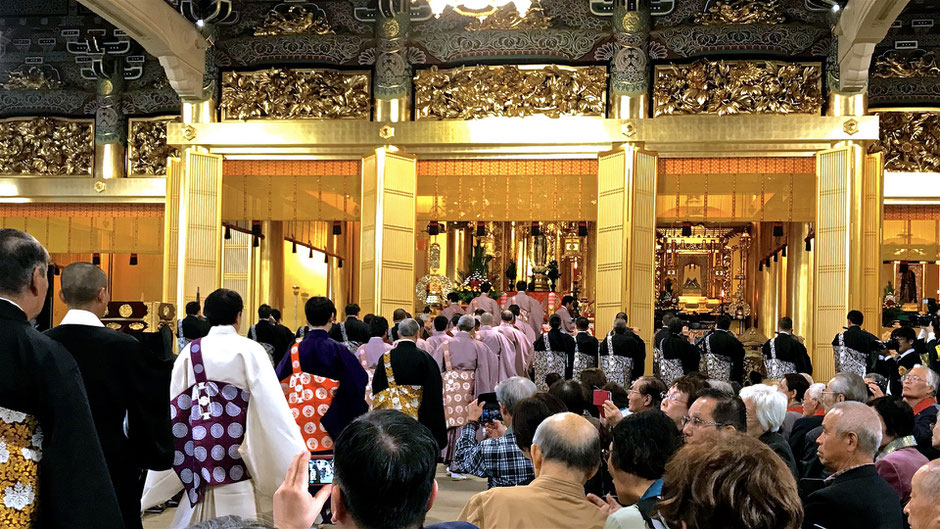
x=898 y=468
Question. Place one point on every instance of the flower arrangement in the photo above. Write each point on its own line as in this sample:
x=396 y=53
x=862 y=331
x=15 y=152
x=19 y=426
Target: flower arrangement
x=467 y=292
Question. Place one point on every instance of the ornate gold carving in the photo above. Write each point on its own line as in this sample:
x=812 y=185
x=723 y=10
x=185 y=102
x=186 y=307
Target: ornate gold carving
x=189 y=133
x=850 y=126
x=147 y=148
x=628 y=129
x=473 y=92
x=125 y=310
x=100 y=186
x=294 y=94
x=386 y=132
x=507 y=17
x=745 y=87
x=390 y=28
x=33 y=78
x=46 y=146
x=899 y=66
x=910 y=141
x=295 y=20
x=742 y=12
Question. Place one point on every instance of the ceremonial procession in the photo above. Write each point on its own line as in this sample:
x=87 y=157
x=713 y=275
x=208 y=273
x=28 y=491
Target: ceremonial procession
x=469 y=264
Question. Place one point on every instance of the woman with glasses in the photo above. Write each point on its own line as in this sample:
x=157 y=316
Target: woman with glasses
x=680 y=396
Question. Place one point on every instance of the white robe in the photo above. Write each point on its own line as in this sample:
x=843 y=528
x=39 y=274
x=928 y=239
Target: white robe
x=272 y=437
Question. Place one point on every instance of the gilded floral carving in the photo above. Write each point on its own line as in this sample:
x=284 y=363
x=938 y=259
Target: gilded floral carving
x=46 y=146
x=899 y=66
x=910 y=141
x=297 y=19
x=33 y=78
x=744 y=87
x=295 y=94
x=473 y=92
x=147 y=147
x=723 y=12
x=507 y=17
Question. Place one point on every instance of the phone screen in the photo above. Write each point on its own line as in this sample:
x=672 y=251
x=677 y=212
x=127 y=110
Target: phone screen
x=320 y=469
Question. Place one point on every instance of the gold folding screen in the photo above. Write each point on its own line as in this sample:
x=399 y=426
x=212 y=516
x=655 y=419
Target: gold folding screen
x=626 y=238
x=200 y=226
x=171 y=229
x=873 y=220
x=388 y=232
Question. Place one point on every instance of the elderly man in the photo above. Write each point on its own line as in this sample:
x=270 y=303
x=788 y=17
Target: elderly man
x=411 y=366
x=468 y=353
x=920 y=392
x=793 y=386
x=44 y=407
x=854 y=495
x=713 y=411
x=844 y=387
x=923 y=510
x=502 y=351
x=127 y=388
x=524 y=352
x=566 y=453
x=497 y=458
x=680 y=396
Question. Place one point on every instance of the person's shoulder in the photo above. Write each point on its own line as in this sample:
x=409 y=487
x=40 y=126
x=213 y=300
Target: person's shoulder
x=451 y=525
x=626 y=518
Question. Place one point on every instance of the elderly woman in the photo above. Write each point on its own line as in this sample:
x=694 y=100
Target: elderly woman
x=735 y=483
x=766 y=408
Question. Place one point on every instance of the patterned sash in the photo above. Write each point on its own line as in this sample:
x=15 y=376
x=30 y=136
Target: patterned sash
x=619 y=369
x=406 y=399
x=717 y=366
x=352 y=346
x=581 y=361
x=458 y=391
x=20 y=453
x=847 y=359
x=546 y=362
x=669 y=369
x=776 y=368
x=309 y=397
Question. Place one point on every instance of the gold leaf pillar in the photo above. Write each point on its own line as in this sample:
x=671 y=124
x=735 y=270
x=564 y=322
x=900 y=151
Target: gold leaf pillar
x=272 y=264
x=200 y=226
x=387 y=241
x=171 y=228
x=626 y=239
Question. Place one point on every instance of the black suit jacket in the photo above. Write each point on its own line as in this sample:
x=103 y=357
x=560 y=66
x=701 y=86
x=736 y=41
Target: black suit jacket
x=923 y=430
x=677 y=346
x=856 y=498
x=356 y=330
x=780 y=445
x=123 y=379
x=194 y=327
x=39 y=377
x=414 y=367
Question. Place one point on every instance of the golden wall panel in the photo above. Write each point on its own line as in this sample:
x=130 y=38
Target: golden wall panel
x=909 y=141
x=147 y=150
x=872 y=219
x=47 y=146
x=835 y=169
x=200 y=236
x=641 y=263
x=174 y=175
x=614 y=168
x=398 y=238
x=367 y=240
x=236 y=266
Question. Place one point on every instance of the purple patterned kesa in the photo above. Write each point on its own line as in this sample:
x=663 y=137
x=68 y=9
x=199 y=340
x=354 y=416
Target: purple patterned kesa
x=208 y=421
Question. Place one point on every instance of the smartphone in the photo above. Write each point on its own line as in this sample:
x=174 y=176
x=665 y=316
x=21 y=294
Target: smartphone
x=320 y=470
x=600 y=397
x=490 y=414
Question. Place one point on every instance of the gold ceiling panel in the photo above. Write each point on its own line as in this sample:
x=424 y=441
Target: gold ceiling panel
x=910 y=141
x=279 y=93
x=47 y=146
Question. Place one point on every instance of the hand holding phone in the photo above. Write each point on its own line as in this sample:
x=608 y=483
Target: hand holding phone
x=320 y=470
x=600 y=397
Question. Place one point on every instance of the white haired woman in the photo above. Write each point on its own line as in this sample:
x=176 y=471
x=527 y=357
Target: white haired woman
x=766 y=408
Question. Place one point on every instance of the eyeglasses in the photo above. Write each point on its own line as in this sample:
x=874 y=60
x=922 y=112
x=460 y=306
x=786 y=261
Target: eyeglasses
x=698 y=423
x=675 y=397
x=632 y=391
x=912 y=379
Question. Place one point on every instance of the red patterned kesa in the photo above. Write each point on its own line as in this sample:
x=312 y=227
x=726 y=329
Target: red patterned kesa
x=208 y=424
x=309 y=397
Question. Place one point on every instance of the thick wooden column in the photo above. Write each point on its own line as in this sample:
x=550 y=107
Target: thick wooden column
x=626 y=239
x=848 y=242
x=387 y=242
x=200 y=226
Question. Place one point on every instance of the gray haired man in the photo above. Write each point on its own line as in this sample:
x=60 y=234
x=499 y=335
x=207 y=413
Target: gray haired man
x=41 y=392
x=854 y=494
x=413 y=367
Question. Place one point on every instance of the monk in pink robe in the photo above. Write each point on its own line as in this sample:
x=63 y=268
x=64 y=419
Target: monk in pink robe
x=525 y=351
x=470 y=354
x=484 y=302
x=534 y=310
x=499 y=345
x=437 y=340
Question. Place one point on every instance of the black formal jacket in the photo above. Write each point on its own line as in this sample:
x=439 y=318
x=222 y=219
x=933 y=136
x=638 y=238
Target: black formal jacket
x=39 y=377
x=862 y=341
x=357 y=331
x=414 y=367
x=856 y=498
x=587 y=345
x=923 y=430
x=195 y=327
x=933 y=354
x=810 y=466
x=889 y=368
x=801 y=427
x=727 y=344
x=560 y=343
x=789 y=349
x=677 y=346
x=627 y=345
x=780 y=445
x=267 y=332
x=123 y=379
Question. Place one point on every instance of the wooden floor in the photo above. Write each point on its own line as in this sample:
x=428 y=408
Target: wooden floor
x=451 y=498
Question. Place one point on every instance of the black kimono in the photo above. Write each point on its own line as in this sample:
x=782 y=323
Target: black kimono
x=725 y=344
x=862 y=342
x=629 y=346
x=789 y=349
x=123 y=379
x=414 y=367
x=560 y=343
x=41 y=379
x=587 y=345
x=678 y=347
x=891 y=367
x=356 y=330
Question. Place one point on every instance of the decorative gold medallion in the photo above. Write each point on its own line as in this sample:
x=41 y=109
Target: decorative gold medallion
x=628 y=129
x=390 y=28
x=126 y=310
x=189 y=133
x=386 y=132
x=100 y=186
x=850 y=126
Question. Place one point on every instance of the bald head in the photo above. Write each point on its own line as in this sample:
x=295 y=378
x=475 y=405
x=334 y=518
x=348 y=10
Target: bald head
x=486 y=319
x=924 y=508
x=82 y=284
x=571 y=440
x=507 y=316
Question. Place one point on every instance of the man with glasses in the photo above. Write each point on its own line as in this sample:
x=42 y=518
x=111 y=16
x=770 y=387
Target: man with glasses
x=712 y=411
x=680 y=396
x=920 y=391
x=844 y=387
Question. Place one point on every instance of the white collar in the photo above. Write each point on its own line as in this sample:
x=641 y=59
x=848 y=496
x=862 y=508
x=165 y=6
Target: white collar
x=81 y=317
x=15 y=304
x=222 y=329
x=905 y=353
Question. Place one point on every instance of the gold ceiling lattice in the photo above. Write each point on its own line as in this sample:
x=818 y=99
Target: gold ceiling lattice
x=474 y=92
x=738 y=87
x=279 y=93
